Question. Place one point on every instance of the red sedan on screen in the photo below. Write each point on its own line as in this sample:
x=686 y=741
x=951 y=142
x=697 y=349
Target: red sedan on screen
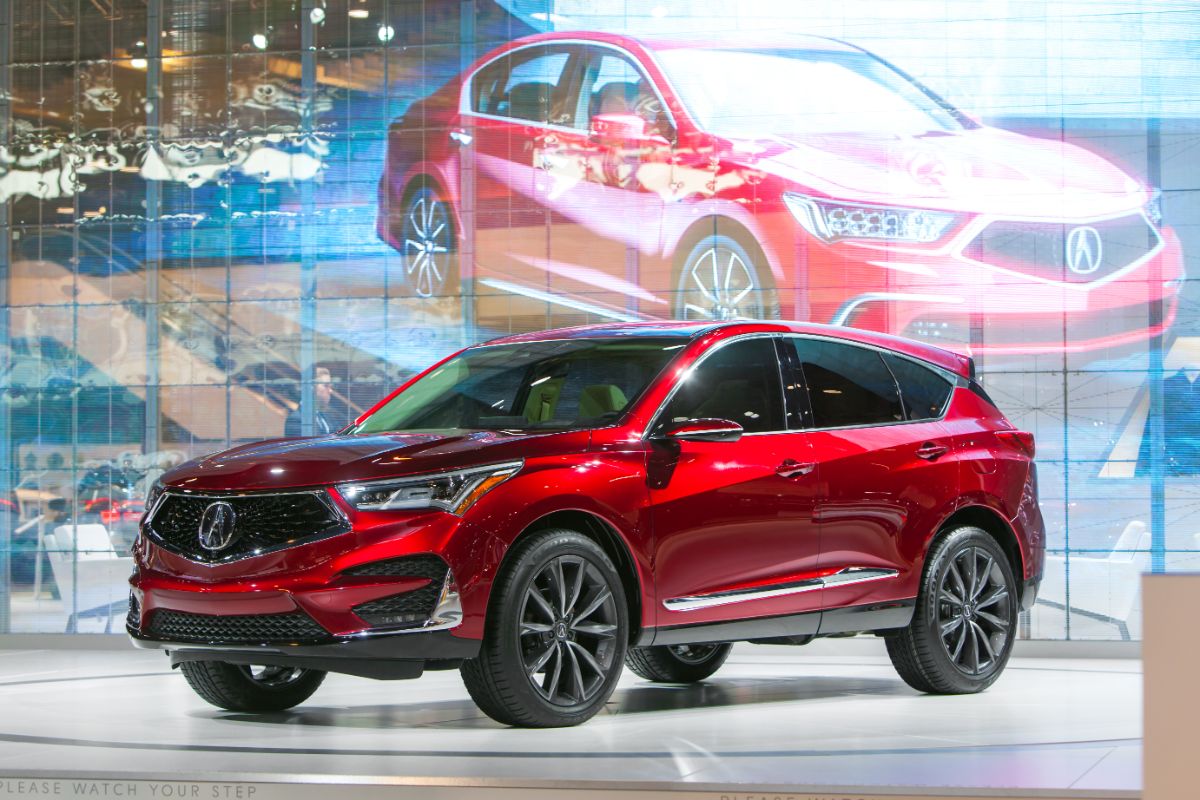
x=540 y=511
x=628 y=178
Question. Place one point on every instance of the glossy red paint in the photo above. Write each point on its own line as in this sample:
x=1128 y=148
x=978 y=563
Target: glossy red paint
x=680 y=518
x=553 y=205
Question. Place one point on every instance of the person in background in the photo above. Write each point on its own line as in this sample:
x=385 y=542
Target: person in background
x=323 y=392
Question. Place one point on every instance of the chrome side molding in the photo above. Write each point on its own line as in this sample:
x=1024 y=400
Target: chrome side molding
x=845 y=577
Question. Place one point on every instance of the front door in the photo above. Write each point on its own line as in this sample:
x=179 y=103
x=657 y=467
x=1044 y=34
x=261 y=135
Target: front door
x=733 y=521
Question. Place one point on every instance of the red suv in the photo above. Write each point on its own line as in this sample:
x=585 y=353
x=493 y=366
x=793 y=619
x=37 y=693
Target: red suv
x=799 y=177
x=541 y=509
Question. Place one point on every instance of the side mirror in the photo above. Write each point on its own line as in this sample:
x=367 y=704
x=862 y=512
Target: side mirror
x=703 y=430
x=627 y=130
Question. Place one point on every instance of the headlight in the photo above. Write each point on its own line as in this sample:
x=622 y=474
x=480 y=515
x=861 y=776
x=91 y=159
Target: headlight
x=450 y=491
x=156 y=490
x=830 y=220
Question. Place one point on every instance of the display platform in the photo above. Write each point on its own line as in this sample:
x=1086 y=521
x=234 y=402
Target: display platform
x=829 y=720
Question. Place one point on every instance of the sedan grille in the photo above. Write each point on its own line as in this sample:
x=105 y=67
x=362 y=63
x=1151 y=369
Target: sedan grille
x=260 y=523
x=1067 y=252
x=292 y=628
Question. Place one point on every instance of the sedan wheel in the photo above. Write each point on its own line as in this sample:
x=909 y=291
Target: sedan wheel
x=427 y=243
x=719 y=281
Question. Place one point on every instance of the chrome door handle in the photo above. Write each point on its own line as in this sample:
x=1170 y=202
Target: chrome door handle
x=461 y=137
x=793 y=469
x=931 y=452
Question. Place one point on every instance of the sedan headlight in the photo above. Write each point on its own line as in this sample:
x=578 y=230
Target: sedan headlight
x=830 y=220
x=450 y=491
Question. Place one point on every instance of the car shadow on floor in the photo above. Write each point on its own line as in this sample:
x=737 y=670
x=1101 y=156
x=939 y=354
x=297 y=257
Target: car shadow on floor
x=637 y=699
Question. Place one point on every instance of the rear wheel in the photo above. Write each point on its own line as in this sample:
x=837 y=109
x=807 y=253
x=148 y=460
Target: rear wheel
x=682 y=663
x=427 y=244
x=555 y=636
x=236 y=687
x=962 y=631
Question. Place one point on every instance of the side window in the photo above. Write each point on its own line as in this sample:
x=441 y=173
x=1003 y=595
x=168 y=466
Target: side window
x=923 y=391
x=738 y=382
x=847 y=385
x=522 y=86
x=613 y=85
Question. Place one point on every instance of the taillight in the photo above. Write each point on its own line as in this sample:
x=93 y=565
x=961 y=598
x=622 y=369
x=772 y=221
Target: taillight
x=1021 y=440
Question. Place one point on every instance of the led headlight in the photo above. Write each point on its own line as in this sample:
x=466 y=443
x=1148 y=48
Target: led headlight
x=156 y=490
x=831 y=220
x=450 y=491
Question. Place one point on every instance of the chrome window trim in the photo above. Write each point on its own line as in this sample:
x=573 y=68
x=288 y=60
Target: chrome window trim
x=953 y=378
x=464 y=97
x=846 y=577
x=322 y=494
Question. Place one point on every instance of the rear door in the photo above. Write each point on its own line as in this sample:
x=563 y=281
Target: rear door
x=887 y=478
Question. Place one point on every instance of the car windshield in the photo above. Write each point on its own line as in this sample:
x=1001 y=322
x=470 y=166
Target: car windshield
x=759 y=93
x=556 y=385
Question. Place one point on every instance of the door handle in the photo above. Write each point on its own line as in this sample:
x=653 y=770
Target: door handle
x=793 y=469
x=931 y=452
x=461 y=137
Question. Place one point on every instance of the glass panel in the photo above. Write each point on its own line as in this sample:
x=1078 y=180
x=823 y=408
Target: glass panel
x=739 y=382
x=847 y=385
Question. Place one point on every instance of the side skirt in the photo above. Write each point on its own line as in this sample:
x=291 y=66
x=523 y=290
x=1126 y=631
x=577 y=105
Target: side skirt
x=850 y=619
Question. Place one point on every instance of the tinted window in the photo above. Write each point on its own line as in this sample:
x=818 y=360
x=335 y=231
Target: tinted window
x=847 y=385
x=557 y=385
x=612 y=85
x=738 y=382
x=923 y=391
x=523 y=86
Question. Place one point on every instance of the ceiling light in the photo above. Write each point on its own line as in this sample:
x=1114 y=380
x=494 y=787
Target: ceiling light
x=259 y=40
x=359 y=13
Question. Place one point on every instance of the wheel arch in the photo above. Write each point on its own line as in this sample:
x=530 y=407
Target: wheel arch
x=431 y=178
x=995 y=525
x=614 y=545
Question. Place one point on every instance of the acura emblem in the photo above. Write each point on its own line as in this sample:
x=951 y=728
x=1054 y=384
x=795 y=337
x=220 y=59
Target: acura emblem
x=216 y=527
x=1084 y=250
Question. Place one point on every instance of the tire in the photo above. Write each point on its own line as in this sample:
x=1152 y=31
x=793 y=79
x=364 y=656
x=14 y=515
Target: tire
x=721 y=261
x=551 y=659
x=677 y=663
x=240 y=688
x=979 y=633
x=426 y=240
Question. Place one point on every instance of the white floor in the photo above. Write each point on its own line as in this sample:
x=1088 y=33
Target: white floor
x=830 y=716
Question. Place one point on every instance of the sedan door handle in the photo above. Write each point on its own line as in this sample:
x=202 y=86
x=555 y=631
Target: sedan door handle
x=931 y=452
x=793 y=469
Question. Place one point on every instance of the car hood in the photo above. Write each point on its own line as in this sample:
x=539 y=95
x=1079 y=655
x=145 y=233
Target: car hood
x=981 y=170
x=323 y=460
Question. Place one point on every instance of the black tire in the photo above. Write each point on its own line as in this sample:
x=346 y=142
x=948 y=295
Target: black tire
x=426 y=241
x=518 y=678
x=240 y=688
x=978 y=639
x=685 y=663
x=721 y=278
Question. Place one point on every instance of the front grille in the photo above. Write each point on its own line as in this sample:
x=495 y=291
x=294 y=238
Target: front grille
x=1041 y=248
x=295 y=627
x=261 y=523
x=430 y=567
x=410 y=609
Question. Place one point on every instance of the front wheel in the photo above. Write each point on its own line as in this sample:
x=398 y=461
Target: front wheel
x=677 y=663
x=251 y=688
x=555 y=636
x=720 y=280
x=962 y=631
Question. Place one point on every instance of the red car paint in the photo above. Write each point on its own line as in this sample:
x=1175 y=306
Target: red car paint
x=571 y=218
x=692 y=518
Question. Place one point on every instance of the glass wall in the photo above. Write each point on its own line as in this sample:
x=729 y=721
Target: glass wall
x=228 y=220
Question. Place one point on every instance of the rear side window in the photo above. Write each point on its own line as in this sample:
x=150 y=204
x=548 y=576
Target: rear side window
x=739 y=382
x=847 y=385
x=923 y=391
x=522 y=86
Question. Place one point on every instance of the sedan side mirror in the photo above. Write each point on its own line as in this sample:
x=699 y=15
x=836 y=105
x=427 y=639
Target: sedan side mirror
x=703 y=430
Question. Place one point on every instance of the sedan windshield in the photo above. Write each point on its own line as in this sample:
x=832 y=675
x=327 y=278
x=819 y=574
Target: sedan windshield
x=534 y=386
x=759 y=93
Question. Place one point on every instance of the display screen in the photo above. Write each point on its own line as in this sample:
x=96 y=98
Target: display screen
x=239 y=220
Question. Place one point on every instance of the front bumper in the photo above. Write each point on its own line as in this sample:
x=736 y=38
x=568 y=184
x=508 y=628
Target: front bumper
x=383 y=656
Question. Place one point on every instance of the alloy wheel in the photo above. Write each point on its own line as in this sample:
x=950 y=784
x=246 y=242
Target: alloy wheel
x=719 y=284
x=427 y=243
x=974 y=611
x=568 y=628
